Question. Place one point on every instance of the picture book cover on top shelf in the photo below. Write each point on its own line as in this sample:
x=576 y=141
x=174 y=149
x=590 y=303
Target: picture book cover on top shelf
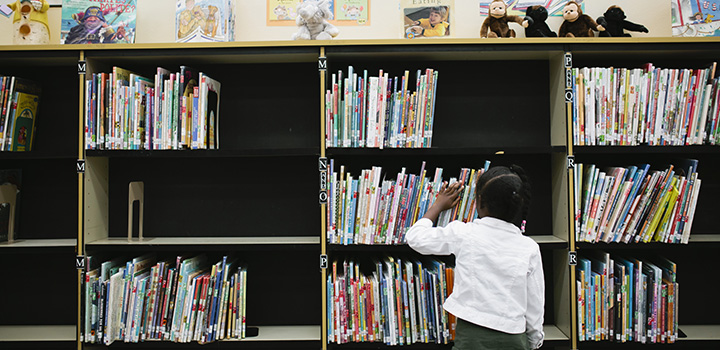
x=343 y=12
x=14 y=177
x=98 y=21
x=427 y=20
x=692 y=18
x=204 y=21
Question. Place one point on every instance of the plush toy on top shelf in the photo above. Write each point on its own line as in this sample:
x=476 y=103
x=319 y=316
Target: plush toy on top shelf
x=496 y=24
x=576 y=23
x=312 y=21
x=536 y=16
x=614 y=22
x=30 y=22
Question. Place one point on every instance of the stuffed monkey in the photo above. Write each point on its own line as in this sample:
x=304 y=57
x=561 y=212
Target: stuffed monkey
x=614 y=22
x=576 y=23
x=496 y=24
x=536 y=16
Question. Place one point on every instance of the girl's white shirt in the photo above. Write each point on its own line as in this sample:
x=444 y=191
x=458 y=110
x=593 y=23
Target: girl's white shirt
x=499 y=281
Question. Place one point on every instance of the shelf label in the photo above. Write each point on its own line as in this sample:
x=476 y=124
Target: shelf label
x=572 y=258
x=568 y=79
x=568 y=95
x=323 y=261
x=323 y=197
x=323 y=180
x=80 y=166
x=568 y=60
x=322 y=63
x=571 y=162
x=82 y=67
x=80 y=262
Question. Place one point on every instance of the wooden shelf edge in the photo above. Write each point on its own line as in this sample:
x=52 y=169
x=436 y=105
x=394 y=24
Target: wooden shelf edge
x=700 y=332
x=37 y=333
x=553 y=333
x=360 y=42
x=700 y=238
x=541 y=240
x=286 y=333
x=40 y=243
x=180 y=241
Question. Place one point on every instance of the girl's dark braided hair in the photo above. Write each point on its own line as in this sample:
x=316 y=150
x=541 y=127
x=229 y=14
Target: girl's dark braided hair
x=504 y=192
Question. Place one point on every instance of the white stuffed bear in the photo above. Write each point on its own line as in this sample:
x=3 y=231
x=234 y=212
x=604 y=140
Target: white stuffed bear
x=312 y=21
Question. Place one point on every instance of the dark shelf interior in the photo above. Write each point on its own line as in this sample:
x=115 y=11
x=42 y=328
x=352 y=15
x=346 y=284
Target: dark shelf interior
x=44 y=286
x=215 y=197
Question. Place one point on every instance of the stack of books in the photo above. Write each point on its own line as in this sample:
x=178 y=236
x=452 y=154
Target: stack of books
x=380 y=111
x=649 y=105
x=627 y=300
x=635 y=204
x=399 y=303
x=367 y=209
x=181 y=300
x=126 y=111
x=19 y=102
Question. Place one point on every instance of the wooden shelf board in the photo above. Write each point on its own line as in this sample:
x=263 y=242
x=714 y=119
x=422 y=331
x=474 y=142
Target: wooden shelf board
x=207 y=241
x=645 y=149
x=286 y=333
x=340 y=151
x=202 y=153
x=40 y=243
x=548 y=239
x=404 y=248
x=700 y=332
x=704 y=238
x=553 y=333
x=363 y=42
x=37 y=333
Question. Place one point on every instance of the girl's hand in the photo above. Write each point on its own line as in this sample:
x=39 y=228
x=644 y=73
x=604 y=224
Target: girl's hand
x=449 y=196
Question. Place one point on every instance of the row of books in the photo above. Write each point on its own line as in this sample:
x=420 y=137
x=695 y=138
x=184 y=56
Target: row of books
x=398 y=303
x=380 y=111
x=635 y=204
x=181 y=300
x=19 y=101
x=649 y=105
x=626 y=299
x=367 y=209
x=126 y=111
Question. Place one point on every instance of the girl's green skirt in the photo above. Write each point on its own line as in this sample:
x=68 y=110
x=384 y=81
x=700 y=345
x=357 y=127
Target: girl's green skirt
x=469 y=336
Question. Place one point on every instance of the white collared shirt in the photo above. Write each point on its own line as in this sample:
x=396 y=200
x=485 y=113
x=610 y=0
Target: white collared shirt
x=499 y=281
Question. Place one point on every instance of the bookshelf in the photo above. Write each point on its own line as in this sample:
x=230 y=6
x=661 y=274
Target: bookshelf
x=249 y=197
x=42 y=255
x=697 y=327
x=498 y=100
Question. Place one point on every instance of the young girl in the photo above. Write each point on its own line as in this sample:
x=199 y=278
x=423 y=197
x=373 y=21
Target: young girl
x=499 y=290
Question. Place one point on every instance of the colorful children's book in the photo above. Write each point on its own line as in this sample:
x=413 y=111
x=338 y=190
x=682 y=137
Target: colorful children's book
x=98 y=21
x=22 y=115
x=204 y=20
x=427 y=20
x=692 y=18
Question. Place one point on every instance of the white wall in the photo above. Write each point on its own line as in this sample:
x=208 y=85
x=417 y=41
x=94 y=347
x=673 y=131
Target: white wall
x=156 y=23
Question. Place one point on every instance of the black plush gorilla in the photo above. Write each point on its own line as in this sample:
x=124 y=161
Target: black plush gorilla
x=536 y=16
x=614 y=22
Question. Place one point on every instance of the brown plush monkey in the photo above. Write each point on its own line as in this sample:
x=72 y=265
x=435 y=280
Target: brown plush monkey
x=576 y=23
x=496 y=24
